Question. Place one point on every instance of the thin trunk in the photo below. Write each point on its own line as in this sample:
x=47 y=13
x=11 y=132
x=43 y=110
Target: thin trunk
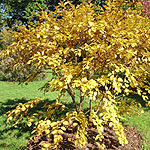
x=99 y=106
x=81 y=100
x=90 y=106
x=101 y=101
x=72 y=94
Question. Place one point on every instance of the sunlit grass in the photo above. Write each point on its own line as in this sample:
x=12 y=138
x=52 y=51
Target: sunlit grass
x=142 y=125
x=11 y=94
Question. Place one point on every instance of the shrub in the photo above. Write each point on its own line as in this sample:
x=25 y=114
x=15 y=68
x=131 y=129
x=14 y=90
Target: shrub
x=5 y=39
x=146 y=8
x=13 y=73
x=114 y=47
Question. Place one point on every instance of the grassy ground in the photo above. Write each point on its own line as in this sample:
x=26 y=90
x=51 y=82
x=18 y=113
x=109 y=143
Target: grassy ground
x=12 y=94
x=141 y=124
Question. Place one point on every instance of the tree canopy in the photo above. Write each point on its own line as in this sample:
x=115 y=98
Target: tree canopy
x=114 y=47
x=26 y=10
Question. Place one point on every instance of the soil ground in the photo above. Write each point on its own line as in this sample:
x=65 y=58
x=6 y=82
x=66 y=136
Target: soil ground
x=110 y=140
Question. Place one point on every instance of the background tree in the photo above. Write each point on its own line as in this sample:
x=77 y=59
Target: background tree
x=21 y=10
x=12 y=73
x=27 y=10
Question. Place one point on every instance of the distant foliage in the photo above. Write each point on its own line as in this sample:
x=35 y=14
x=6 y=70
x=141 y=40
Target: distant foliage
x=5 y=39
x=105 y=57
x=146 y=7
x=27 y=10
x=13 y=73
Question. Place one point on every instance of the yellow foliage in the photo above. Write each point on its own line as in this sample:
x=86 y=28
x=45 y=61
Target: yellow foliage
x=104 y=56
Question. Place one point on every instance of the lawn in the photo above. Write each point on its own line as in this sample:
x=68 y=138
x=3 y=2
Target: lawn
x=12 y=94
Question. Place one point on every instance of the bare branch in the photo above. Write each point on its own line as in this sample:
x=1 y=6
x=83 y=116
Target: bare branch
x=81 y=100
x=72 y=94
x=90 y=106
x=101 y=101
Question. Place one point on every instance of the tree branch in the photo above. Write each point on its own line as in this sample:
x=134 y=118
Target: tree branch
x=90 y=106
x=81 y=100
x=72 y=94
x=101 y=101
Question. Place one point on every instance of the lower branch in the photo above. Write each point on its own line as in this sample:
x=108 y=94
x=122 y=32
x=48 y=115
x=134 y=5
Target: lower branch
x=101 y=101
x=72 y=94
x=81 y=100
x=90 y=106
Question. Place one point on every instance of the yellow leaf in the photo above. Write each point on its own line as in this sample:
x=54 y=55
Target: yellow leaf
x=127 y=90
x=133 y=44
x=100 y=146
x=33 y=131
x=46 y=145
x=48 y=122
x=54 y=132
x=66 y=3
x=23 y=108
x=69 y=77
x=10 y=118
x=60 y=132
x=75 y=124
x=65 y=123
x=57 y=138
x=53 y=124
x=29 y=124
x=63 y=128
x=120 y=80
x=76 y=143
x=84 y=79
x=57 y=28
x=47 y=131
x=91 y=23
x=38 y=35
x=45 y=36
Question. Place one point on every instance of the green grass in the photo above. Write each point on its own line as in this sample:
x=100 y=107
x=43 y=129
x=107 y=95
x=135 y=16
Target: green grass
x=141 y=124
x=11 y=94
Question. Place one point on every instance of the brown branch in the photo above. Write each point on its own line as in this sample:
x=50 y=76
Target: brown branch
x=90 y=106
x=81 y=100
x=99 y=106
x=87 y=112
x=91 y=74
x=101 y=101
x=72 y=94
x=67 y=135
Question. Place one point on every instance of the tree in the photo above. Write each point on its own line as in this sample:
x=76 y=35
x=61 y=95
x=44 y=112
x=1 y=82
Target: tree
x=21 y=10
x=146 y=8
x=115 y=62
x=26 y=10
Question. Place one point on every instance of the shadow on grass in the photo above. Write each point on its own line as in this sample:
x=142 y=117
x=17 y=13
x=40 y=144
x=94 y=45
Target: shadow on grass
x=140 y=100
x=10 y=105
x=22 y=127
